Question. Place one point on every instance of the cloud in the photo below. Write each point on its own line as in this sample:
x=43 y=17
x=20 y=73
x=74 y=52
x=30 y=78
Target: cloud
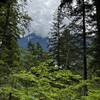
x=41 y=12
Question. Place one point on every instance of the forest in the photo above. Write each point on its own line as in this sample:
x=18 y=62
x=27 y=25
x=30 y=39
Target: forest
x=69 y=70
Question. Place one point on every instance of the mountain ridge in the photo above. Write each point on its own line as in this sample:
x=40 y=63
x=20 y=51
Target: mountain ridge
x=23 y=41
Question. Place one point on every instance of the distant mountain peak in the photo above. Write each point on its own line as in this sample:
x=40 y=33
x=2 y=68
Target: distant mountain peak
x=23 y=41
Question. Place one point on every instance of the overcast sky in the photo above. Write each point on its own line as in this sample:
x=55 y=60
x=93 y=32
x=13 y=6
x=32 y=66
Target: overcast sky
x=42 y=12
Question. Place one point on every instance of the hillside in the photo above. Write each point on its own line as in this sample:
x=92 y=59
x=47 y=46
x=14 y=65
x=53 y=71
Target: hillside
x=23 y=42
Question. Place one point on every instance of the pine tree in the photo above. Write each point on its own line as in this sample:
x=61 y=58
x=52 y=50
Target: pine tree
x=80 y=6
x=71 y=51
x=96 y=61
x=10 y=31
x=55 y=36
x=65 y=46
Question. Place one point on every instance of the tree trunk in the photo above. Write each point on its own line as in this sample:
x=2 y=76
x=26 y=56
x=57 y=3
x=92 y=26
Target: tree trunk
x=10 y=96
x=97 y=56
x=58 y=31
x=84 y=51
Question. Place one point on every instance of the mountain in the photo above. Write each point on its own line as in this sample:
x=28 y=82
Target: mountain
x=23 y=42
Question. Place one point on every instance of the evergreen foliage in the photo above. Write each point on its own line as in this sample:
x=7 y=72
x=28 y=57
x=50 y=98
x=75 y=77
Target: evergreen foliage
x=32 y=73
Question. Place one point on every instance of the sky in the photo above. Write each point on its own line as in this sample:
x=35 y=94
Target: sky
x=41 y=12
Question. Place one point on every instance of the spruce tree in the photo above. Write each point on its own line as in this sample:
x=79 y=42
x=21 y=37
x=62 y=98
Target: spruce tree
x=80 y=15
x=10 y=31
x=96 y=61
x=54 y=40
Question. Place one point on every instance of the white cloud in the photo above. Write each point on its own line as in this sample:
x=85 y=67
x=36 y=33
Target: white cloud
x=41 y=12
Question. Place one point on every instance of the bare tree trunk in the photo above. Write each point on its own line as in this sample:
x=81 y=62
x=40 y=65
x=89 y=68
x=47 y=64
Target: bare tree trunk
x=58 y=31
x=10 y=96
x=97 y=56
x=85 y=90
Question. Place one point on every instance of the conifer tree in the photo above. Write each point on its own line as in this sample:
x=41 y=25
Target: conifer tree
x=80 y=6
x=55 y=34
x=10 y=31
x=96 y=61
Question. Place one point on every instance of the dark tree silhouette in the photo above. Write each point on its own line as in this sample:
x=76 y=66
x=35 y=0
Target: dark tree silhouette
x=3 y=1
